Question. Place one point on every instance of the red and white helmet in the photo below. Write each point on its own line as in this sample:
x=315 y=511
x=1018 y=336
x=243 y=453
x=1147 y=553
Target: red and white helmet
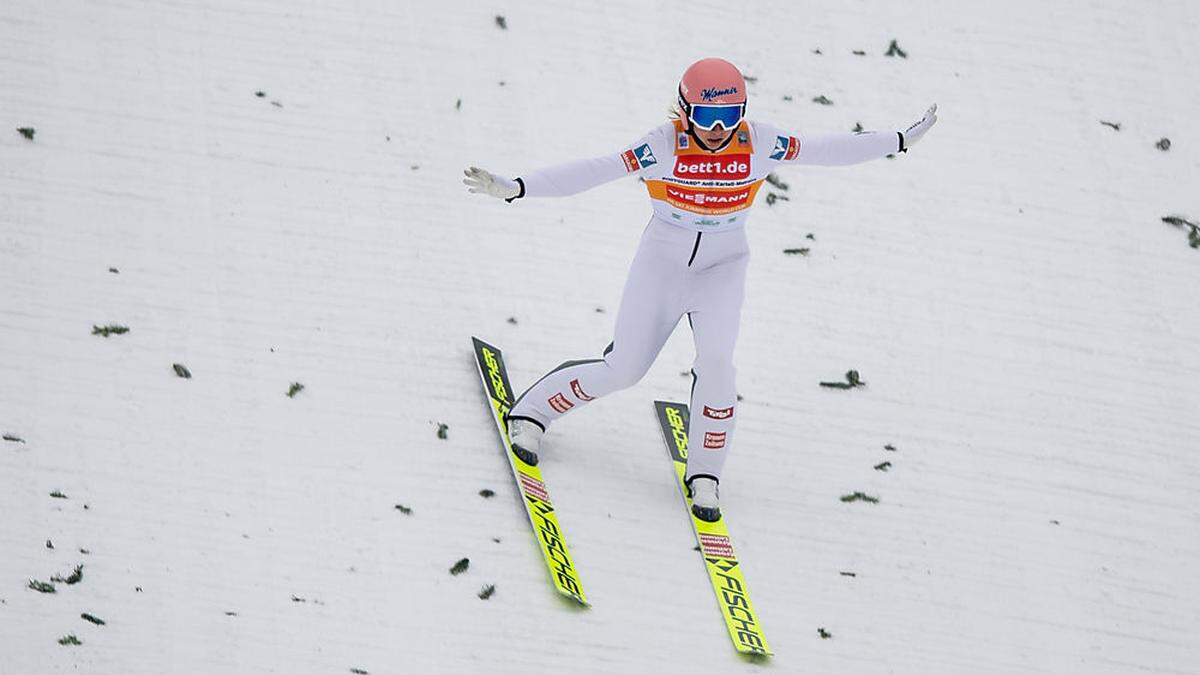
x=711 y=82
x=714 y=81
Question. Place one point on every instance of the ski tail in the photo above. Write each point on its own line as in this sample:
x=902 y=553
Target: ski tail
x=716 y=548
x=542 y=515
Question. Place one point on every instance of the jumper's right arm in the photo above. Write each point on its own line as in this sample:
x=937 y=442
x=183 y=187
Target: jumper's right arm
x=573 y=177
x=567 y=178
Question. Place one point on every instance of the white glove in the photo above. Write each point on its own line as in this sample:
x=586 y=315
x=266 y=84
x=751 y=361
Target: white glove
x=485 y=182
x=915 y=131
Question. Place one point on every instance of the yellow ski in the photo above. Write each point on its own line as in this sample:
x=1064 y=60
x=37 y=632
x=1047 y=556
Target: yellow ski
x=529 y=478
x=733 y=596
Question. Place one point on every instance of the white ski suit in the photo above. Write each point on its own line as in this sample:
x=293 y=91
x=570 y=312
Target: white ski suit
x=691 y=261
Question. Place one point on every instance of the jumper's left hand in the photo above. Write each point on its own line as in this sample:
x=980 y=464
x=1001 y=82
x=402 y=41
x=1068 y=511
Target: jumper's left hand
x=917 y=129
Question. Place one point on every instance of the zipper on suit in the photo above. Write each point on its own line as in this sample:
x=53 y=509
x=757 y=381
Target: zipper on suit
x=695 y=247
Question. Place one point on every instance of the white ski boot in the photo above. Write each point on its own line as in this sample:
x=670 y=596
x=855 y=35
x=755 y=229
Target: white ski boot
x=526 y=439
x=705 y=501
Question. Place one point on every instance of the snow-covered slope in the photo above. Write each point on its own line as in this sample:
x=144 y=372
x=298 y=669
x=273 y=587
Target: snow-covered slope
x=1026 y=324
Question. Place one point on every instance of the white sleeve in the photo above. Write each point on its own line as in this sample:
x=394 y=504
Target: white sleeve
x=847 y=147
x=570 y=178
x=834 y=149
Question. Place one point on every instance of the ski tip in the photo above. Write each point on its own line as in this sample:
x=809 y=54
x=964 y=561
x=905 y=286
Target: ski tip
x=478 y=341
x=575 y=597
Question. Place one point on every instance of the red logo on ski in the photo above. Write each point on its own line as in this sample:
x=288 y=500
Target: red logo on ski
x=579 y=391
x=560 y=403
x=716 y=545
x=533 y=487
x=718 y=413
x=714 y=440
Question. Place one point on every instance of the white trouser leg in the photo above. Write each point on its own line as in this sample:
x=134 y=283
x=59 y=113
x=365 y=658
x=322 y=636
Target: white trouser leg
x=651 y=305
x=714 y=309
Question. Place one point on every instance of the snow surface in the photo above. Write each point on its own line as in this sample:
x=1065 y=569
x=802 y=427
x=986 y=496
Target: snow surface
x=1026 y=324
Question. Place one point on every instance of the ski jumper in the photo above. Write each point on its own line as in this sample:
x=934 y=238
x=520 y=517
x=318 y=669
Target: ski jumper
x=691 y=262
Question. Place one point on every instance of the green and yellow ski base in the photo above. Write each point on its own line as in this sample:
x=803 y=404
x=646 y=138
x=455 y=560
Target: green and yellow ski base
x=733 y=596
x=529 y=478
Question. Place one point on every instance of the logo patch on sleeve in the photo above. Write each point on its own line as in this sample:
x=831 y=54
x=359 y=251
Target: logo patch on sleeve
x=638 y=158
x=631 y=163
x=645 y=156
x=786 y=148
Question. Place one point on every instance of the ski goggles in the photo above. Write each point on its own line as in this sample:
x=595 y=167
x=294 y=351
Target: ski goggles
x=707 y=117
